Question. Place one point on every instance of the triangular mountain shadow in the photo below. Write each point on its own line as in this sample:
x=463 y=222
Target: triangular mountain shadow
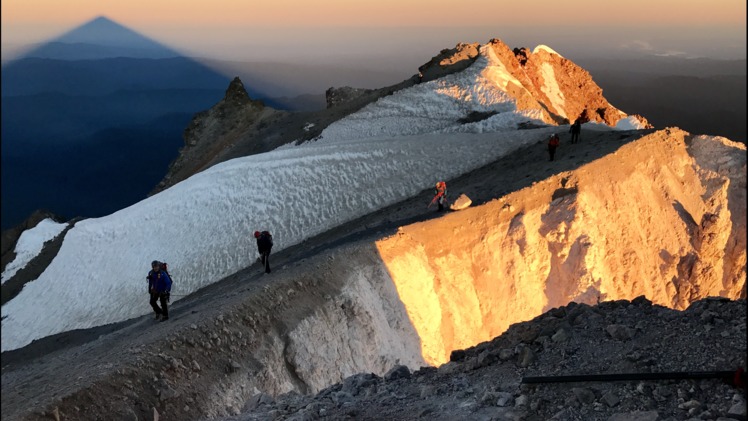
x=98 y=113
x=100 y=38
x=100 y=57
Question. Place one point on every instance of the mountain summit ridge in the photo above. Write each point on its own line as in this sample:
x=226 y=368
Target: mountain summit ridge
x=540 y=79
x=506 y=89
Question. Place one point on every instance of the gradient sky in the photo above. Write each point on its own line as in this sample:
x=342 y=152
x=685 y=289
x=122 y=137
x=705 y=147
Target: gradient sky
x=289 y=30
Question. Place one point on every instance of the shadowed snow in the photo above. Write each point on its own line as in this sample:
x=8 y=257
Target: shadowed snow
x=30 y=244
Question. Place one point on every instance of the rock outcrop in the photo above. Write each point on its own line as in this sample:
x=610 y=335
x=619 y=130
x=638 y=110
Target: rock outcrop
x=10 y=236
x=663 y=217
x=449 y=61
x=562 y=89
x=336 y=96
x=212 y=132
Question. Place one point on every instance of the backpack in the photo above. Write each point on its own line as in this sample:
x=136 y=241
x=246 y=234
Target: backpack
x=553 y=141
x=266 y=237
x=165 y=268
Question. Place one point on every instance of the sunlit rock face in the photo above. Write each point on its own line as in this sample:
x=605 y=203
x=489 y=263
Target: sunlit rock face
x=545 y=80
x=540 y=80
x=662 y=217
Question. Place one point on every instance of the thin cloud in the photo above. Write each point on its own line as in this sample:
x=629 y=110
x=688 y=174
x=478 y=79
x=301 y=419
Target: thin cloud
x=671 y=53
x=646 y=47
x=637 y=45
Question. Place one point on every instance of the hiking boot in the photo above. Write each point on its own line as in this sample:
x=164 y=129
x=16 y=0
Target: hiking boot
x=158 y=317
x=165 y=318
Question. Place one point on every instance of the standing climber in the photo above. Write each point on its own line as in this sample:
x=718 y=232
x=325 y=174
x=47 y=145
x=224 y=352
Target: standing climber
x=553 y=143
x=440 y=195
x=575 y=129
x=264 y=244
x=159 y=286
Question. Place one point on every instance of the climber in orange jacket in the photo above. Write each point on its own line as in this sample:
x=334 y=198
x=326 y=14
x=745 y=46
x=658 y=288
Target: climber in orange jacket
x=440 y=196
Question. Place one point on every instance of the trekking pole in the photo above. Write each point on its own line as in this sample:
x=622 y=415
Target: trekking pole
x=432 y=201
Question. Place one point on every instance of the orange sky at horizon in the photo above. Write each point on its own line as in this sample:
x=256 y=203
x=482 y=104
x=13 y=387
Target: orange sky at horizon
x=63 y=15
x=265 y=29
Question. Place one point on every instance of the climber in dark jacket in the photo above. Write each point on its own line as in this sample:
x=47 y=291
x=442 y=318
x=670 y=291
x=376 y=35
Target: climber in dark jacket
x=575 y=129
x=159 y=286
x=264 y=245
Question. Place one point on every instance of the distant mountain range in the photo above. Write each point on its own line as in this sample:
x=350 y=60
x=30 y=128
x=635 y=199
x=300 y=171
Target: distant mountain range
x=31 y=76
x=699 y=95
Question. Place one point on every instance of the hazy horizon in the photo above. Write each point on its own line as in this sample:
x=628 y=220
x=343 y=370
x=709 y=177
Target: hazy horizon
x=394 y=36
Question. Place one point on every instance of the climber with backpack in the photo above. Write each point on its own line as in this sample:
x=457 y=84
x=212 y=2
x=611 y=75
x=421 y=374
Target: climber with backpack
x=440 y=196
x=553 y=143
x=264 y=244
x=575 y=129
x=159 y=287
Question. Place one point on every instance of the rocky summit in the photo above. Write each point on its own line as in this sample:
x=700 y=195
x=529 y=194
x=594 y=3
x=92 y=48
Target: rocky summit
x=212 y=131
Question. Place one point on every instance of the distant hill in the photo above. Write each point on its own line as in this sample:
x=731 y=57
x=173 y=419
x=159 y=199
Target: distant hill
x=90 y=175
x=698 y=95
x=86 y=51
x=31 y=76
x=277 y=79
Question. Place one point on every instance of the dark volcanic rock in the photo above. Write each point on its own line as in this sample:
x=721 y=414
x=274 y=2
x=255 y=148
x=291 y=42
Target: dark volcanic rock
x=671 y=340
x=449 y=61
x=336 y=96
x=212 y=132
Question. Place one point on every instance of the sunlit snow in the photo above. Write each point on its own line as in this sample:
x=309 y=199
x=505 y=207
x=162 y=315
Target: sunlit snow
x=629 y=123
x=545 y=48
x=551 y=89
